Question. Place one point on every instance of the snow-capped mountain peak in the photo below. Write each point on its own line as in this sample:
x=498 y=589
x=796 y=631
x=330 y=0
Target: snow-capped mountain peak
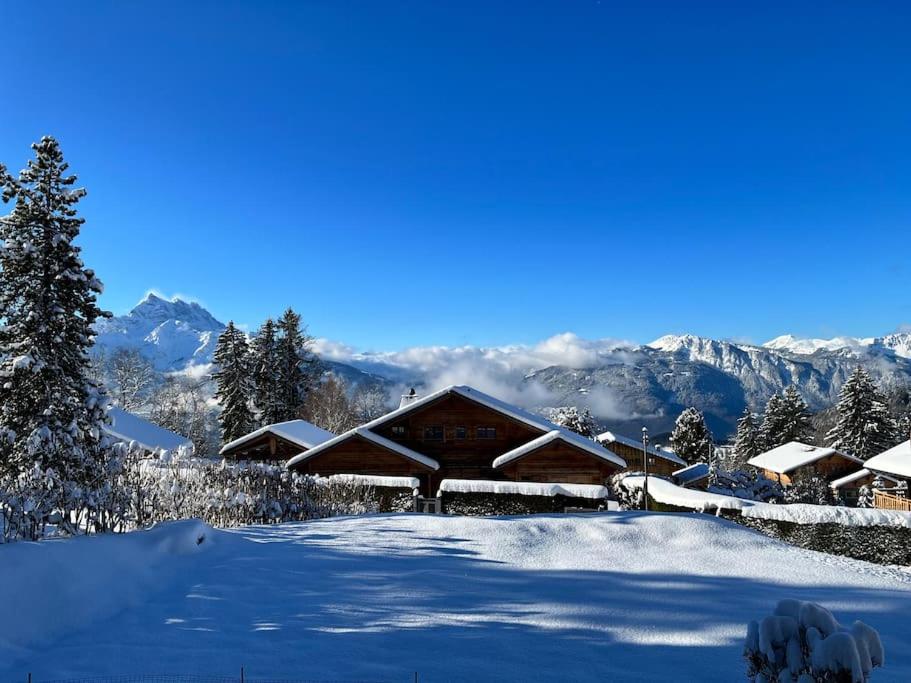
x=154 y=308
x=174 y=334
x=898 y=343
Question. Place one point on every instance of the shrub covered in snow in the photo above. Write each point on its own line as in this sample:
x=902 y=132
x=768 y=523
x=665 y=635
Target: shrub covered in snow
x=137 y=490
x=628 y=497
x=802 y=642
x=809 y=488
x=748 y=484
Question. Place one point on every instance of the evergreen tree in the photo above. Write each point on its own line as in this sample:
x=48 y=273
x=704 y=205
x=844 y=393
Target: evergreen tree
x=747 y=443
x=798 y=424
x=234 y=379
x=266 y=376
x=51 y=412
x=691 y=437
x=786 y=419
x=575 y=420
x=864 y=426
x=296 y=364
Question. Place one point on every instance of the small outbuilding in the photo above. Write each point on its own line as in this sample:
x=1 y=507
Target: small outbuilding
x=660 y=460
x=279 y=441
x=693 y=477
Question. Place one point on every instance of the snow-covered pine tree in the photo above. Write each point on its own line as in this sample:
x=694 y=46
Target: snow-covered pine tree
x=297 y=364
x=234 y=381
x=798 y=425
x=573 y=419
x=266 y=376
x=747 y=440
x=691 y=438
x=786 y=419
x=865 y=427
x=51 y=413
x=772 y=423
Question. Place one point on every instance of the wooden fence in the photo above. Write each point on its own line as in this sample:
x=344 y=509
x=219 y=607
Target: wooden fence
x=886 y=501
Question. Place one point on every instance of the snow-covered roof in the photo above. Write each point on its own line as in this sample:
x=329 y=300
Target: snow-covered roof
x=130 y=427
x=522 y=488
x=695 y=472
x=854 y=476
x=896 y=460
x=471 y=394
x=792 y=455
x=365 y=433
x=557 y=435
x=535 y=421
x=299 y=432
x=612 y=437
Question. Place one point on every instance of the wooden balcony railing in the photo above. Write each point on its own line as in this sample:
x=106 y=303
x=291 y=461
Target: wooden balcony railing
x=887 y=501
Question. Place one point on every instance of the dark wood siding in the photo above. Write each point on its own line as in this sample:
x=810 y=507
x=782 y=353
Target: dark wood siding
x=265 y=447
x=557 y=462
x=468 y=458
x=357 y=455
x=633 y=457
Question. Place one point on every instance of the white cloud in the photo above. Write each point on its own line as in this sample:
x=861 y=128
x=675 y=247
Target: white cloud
x=501 y=370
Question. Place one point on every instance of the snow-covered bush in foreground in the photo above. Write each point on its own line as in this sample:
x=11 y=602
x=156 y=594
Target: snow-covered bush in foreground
x=135 y=491
x=802 y=642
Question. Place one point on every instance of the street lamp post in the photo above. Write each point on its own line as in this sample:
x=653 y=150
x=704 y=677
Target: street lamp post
x=645 y=466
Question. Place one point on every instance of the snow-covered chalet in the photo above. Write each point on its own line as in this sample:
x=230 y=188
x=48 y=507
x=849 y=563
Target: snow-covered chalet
x=458 y=434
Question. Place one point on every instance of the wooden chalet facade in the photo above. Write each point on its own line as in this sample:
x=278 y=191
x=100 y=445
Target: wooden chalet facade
x=660 y=461
x=460 y=433
x=276 y=442
x=792 y=460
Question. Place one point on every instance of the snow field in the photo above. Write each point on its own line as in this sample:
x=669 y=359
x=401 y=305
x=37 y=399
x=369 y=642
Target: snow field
x=612 y=596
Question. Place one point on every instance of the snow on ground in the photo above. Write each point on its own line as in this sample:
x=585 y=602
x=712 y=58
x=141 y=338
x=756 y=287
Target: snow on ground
x=613 y=596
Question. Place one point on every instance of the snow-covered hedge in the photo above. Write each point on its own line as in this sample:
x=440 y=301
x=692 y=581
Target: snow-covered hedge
x=140 y=491
x=881 y=536
x=665 y=492
x=802 y=641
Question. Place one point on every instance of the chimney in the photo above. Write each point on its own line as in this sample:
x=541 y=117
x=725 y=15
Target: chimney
x=408 y=398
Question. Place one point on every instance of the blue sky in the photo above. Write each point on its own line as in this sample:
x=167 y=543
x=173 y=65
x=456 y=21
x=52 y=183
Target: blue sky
x=484 y=173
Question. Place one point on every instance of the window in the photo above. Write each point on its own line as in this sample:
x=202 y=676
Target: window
x=487 y=432
x=398 y=430
x=461 y=433
x=433 y=432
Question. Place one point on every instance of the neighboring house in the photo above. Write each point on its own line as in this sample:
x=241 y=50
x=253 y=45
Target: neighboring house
x=660 y=460
x=895 y=462
x=278 y=441
x=784 y=463
x=460 y=433
x=693 y=477
x=131 y=428
x=848 y=488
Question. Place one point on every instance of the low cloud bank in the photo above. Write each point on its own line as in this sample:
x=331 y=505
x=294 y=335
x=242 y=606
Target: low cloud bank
x=503 y=371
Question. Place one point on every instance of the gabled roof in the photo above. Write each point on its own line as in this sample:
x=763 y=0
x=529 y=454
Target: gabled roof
x=130 y=427
x=854 y=476
x=794 y=454
x=613 y=437
x=471 y=394
x=365 y=433
x=694 y=472
x=298 y=432
x=534 y=421
x=896 y=460
x=556 y=435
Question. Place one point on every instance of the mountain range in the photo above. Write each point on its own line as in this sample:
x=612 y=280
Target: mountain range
x=625 y=385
